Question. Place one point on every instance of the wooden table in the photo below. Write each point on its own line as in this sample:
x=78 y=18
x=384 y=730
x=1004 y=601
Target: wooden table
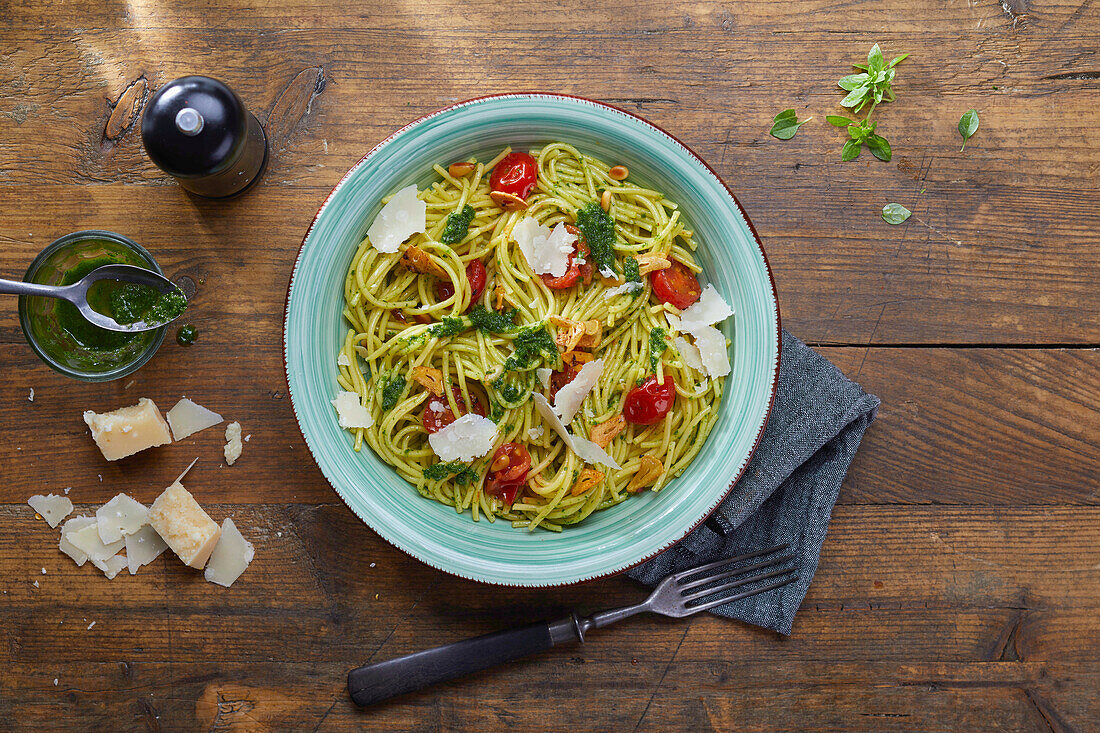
x=959 y=587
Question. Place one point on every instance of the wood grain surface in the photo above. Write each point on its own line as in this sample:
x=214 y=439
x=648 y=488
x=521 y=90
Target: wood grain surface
x=959 y=587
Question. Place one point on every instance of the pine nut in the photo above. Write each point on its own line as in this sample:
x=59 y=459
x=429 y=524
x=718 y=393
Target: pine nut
x=605 y=200
x=461 y=169
x=618 y=173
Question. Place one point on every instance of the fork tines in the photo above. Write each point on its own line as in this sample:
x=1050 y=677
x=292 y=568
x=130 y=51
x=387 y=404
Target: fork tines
x=697 y=584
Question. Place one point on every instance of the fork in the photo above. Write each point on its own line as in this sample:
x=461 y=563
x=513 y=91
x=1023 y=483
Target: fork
x=678 y=595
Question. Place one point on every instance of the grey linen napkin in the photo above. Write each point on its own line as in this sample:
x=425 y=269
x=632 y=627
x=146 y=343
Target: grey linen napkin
x=789 y=488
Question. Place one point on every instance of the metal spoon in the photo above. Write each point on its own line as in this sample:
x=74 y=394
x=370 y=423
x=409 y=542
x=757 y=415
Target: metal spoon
x=77 y=293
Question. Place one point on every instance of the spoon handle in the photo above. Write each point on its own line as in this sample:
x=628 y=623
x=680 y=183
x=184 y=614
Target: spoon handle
x=18 y=287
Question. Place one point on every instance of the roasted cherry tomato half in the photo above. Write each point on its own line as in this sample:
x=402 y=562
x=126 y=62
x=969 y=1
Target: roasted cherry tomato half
x=675 y=285
x=475 y=274
x=508 y=472
x=574 y=271
x=649 y=402
x=515 y=174
x=438 y=415
x=562 y=378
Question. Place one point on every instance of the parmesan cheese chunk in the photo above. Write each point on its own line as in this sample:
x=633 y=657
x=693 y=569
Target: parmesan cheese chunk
x=233 y=445
x=712 y=350
x=87 y=540
x=547 y=251
x=70 y=527
x=403 y=216
x=351 y=412
x=187 y=418
x=182 y=523
x=231 y=556
x=470 y=436
x=688 y=353
x=143 y=547
x=112 y=566
x=569 y=398
x=52 y=507
x=585 y=449
x=128 y=430
x=119 y=517
x=708 y=310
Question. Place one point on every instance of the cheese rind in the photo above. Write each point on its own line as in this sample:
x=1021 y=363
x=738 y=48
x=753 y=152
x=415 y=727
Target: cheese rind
x=231 y=556
x=184 y=526
x=128 y=430
x=119 y=517
x=52 y=507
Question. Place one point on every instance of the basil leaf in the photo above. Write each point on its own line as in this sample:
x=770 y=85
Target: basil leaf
x=852 y=81
x=838 y=121
x=897 y=61
x=856 y=96
x=850 y=151
x=895 y=213
x=874 y=59
x=786 y=124
x=968 y=125
x=880 y=147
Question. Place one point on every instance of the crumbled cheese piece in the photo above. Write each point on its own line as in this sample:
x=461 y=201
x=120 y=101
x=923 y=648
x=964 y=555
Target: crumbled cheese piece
x=231 y=556
x=73 y=525
x=688 y=353
x=712 y=350
x=608 y=273
x=343 y=360
x=112 y=566
x=43 y=571
x=702 y=386
x=187 y=418
x=119 y=517
x=147 y=429
x=248 y=437
x=351 y=412
x=55 y=682
x=403 y=216
x=91 y=625
x=68 y=489
x=143 y=547
x=182 y=523
x=232 y=449
x=627 y=287
x=535 y=433
x=569 y=398
x=52 y=507
x=30 y=397
x=708 y=310
x=436 y=406
x=547 y=251
x=130 y=384
x=585 y=449
x=544 y=376
x=470 y=436
x=36 y=584
x=88 y=541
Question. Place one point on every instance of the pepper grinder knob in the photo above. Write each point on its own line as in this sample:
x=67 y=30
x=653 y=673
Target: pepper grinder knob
x=198 y=130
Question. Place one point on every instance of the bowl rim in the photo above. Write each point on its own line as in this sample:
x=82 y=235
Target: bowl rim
x=75 y=238
x=698 y=159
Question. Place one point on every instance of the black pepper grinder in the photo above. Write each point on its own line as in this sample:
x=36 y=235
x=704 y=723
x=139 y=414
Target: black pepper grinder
x=198 y=130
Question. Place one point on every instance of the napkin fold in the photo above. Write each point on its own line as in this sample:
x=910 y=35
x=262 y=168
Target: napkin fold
x=787 y=493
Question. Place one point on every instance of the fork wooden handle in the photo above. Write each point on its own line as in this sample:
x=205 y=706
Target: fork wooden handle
x=374 y=683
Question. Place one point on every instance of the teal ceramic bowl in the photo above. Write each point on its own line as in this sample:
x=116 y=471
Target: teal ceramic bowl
x=608 y=542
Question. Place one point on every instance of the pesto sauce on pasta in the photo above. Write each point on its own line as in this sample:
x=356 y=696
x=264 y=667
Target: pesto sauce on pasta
x=491 y=353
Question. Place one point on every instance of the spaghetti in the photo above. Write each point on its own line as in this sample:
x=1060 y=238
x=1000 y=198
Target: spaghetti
x=424 y=346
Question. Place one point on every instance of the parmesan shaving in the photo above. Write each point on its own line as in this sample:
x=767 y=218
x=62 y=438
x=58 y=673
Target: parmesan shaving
x=712 y=350
x=351 y=412
x=569 y=398
x=52 y=507
x=403 y=216
x=708 y=310
x=585 y=449
x=470 y=436
x=231 y=556
x=187 y=418
x=547 y=251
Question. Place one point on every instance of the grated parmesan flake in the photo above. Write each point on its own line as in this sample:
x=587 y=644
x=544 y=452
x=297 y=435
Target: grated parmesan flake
x=708 y=310
x=569 y=398
x=351 y=412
